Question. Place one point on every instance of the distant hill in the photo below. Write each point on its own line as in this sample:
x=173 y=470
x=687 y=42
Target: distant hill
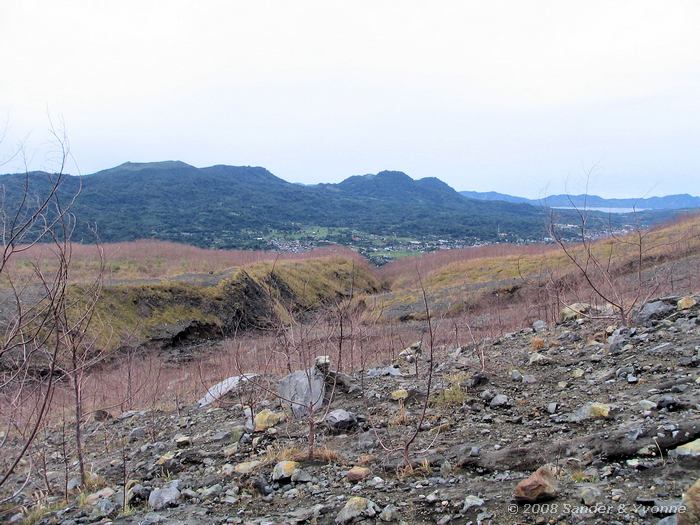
x=236 y=206
x=668 y=202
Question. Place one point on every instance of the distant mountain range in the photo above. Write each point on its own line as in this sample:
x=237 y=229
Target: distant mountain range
x=240 y=206
x=249 y=207
x=669 y=202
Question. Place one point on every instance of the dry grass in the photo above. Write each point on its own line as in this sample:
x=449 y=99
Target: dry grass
x=423 y=470
x=502 y=262
x=400 y=417
x=537 y=343
x=364 y=460
x=328 y=455
x=324 y=454
x=147 y=259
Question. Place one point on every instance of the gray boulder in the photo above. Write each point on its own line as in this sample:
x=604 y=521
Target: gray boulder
x=499 y=400
x=166 y=496
x=340 y=420
x=653 y=310
x=222 y=388
x=384 y=371
x=302 y=390
x=539 y=325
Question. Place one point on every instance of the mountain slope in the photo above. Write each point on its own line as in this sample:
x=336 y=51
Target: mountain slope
x=667 y=202
x=233 y=206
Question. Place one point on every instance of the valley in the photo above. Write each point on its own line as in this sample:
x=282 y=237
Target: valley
x=472 y=351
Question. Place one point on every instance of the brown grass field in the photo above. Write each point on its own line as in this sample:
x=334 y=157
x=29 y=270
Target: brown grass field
x=474 y=294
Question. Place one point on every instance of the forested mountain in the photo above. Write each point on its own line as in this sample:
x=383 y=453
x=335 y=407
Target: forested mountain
x=236 y=206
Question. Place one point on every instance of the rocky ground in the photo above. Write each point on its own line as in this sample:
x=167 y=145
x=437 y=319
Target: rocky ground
x=582 y=422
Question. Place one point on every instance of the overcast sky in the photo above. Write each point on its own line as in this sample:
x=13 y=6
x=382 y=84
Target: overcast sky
x=514 y=96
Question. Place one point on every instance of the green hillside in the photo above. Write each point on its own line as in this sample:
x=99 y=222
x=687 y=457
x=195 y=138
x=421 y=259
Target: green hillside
x=237 y=207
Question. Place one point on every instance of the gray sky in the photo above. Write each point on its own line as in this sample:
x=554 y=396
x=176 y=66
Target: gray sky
x=514 y=96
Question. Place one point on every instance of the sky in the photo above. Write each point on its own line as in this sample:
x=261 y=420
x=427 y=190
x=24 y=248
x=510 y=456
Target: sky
x=521 y=97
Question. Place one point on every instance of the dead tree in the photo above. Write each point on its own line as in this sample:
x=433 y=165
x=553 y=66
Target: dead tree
x=41 y=320
x=599 y=263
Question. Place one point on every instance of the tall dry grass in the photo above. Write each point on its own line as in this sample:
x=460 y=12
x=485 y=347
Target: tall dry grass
x=150 y=259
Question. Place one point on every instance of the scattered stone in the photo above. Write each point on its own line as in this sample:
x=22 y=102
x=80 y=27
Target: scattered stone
x=516 y=376
x=73 y=484
x=182 y=441
x=670 y=403
x=236 y=433
x=691 y=501
x=653 y=310
x=266 y=418
x=389 y=514
x=412 y=353
x=247 y=467
x=340 y=420
x=574 y=311
x=539 y=325
x=691 y=449
x=284 y=470
x=540 y=486
x=471 y=502
x=306 y=515
x=590 y=495
x=137 y=434
x=487 y=395
x=539 y=359
x=399 y=395
x=356 y=507
x=552 y=408
x=222 y=388
x=685 y=303
x=210 y=491
x=302 y=390
x=106 y=492
x=358 y=473
x=591 y=411
x=166 y=496
x=392 y=370
x=138 y=493
x=103 y=508
x=499 y=400
x=477 y=380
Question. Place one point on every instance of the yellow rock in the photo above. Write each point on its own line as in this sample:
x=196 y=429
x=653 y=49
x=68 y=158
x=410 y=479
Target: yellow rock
x=578 y=372
x=267 y=419
x=399 y=394
x=688 y=449
x=284 y=470
x=356 y=507
x=691 y=501
x=166 y=457
x=231 y=450
x=246 y=467
x=599 y=410
x=358 y=473
x=686 y=303
x=103 y=493
x=574 y=311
